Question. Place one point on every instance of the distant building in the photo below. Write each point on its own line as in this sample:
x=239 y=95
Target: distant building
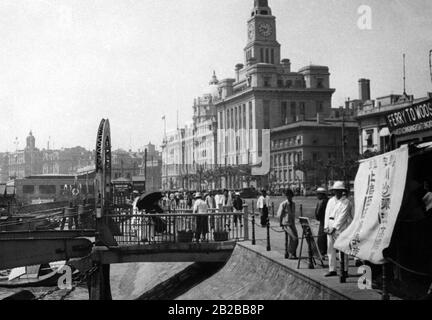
x=313 y=141
x=65 y=161
x=189 y=151
x=153 y=170
x=375 y=136
x=26 y=162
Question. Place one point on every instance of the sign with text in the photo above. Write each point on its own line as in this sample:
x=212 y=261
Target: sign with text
x=378 y=191
x=416 y=117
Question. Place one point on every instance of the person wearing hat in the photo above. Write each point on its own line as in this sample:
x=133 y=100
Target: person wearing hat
x=200 y=207
x=338 y=216
x=286 y=214
x=320 y=210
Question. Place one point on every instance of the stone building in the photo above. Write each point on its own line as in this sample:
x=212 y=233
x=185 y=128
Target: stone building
x=374 y=134
x=189 y=151
x=66 y=160
x=26 y=162
x=315 y=142
x=265 y=94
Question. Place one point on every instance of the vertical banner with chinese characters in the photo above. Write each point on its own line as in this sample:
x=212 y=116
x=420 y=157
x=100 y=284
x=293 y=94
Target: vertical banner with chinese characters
x=378 y=192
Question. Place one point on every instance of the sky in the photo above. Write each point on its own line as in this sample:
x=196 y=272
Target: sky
x=66 y=64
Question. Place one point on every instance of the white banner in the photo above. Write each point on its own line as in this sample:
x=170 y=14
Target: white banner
x=378 y=191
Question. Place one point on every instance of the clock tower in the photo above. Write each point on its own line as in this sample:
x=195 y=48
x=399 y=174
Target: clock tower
x=261 y=32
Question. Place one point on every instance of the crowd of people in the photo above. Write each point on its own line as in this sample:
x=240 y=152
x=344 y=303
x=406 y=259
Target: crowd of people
x=334 y=215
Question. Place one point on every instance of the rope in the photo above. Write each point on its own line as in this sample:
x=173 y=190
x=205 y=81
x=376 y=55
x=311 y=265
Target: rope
x=410 y=270
x=413 y=221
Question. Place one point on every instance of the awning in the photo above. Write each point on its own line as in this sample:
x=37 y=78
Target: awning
x=384 y=132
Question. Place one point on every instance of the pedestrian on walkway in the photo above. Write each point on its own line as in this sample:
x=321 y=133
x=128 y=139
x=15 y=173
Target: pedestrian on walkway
x=338 y=216
x=263 y=205
x=211 y=204
x=200 y=207
x=286 y=214
x=320 y=216
x=238 y=207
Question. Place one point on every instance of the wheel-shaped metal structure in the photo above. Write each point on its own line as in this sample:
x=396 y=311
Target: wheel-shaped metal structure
x=103 y=169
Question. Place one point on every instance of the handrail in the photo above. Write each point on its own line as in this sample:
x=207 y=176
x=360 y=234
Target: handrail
x=175 y=215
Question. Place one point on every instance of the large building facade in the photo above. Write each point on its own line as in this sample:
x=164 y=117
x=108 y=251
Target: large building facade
x=265 y=94
x=190 y=151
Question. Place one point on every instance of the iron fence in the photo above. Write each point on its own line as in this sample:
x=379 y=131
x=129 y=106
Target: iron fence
x=144 y=228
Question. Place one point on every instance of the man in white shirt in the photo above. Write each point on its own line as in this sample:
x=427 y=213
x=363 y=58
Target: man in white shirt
x=338 y=216
x=263 y=205
x=200 y=207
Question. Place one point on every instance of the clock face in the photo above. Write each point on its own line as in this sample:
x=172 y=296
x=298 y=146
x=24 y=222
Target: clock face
x=251 y=31
x=265 y=29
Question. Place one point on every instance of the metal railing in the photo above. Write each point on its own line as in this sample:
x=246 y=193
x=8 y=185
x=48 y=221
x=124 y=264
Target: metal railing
x=179 y=227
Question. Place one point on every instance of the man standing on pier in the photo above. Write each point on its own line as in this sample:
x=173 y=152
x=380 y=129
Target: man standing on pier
x=338 y=216
x=263 y=205
x=320 y=216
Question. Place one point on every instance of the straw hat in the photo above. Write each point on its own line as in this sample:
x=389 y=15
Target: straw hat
x=338 y=185
x=198 y=195
x=321 y=190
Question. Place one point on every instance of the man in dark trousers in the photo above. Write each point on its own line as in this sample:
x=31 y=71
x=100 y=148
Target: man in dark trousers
x=320 y=216
x=238 y=207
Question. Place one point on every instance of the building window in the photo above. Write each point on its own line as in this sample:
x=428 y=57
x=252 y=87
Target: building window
x=302 y=108
x=319 y=107
x=272 y=56
x=294 y=111
x=320 y=83
x=288 y=84
x=369 y=138
x=28 y=189
x=283 y=111
x=47 y=189
x=266 y=106
x=267 y=81
x=267 y=58
x=262 y=54
x=250 y=115
x=280 y=83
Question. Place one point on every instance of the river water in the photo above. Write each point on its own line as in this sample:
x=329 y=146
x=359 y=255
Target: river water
x=128 y=281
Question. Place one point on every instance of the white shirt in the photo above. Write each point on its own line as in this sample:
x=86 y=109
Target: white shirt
x=200 y=206
x=427 y=200
x=338 y=213
x=224 y=201
x=261 y=201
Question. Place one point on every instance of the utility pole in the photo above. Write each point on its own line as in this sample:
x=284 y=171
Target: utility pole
x=145 y=169
x=343 y=150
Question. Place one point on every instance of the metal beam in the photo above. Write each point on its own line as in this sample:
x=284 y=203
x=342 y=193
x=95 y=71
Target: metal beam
x=24 y=252
x=47 y=234
x=165 y=252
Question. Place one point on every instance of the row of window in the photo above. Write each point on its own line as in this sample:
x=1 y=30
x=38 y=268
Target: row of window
x=285 y=175
x=236 y=117
x=285 y=159
x=283 y=143
x=47 y=189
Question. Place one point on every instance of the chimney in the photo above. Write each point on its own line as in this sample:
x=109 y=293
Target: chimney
x=286 y=63
x=238 y=67
x=364 y=89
